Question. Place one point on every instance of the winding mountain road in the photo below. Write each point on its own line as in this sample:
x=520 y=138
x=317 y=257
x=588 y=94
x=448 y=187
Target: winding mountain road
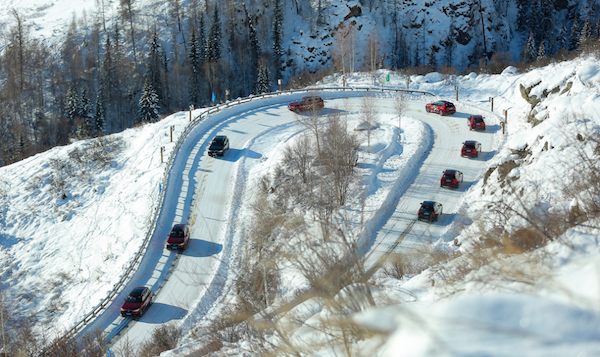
x=206 y=192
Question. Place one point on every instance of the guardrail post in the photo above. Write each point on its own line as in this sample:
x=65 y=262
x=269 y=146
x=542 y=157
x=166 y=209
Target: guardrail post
x=162 y=149
x=505 y=116
x=456 y=88
x=492 y=100
x=172 y=128
x=191 y=109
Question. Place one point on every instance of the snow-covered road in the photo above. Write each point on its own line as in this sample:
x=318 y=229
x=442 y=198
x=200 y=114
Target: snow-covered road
x=440 y=150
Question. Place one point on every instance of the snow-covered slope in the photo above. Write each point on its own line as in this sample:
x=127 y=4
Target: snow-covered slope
x=70 y=226
x=455 y=32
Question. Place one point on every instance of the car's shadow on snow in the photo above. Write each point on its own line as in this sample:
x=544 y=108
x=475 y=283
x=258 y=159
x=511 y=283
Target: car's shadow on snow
x=487 y=155
x=494 y=128
x=322 y=112
x=159 y=313
x=234 y=155
x=201 y=248
x=445 y=219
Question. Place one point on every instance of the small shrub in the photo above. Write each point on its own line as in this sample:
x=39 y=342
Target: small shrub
x=164 y=337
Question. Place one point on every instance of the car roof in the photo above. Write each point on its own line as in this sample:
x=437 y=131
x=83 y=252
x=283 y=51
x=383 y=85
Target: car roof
x=471 y=142
x=428 y=203
x=476 y=116
x=179 y=227
x=138 y=291
x=220 y=137
x=450 y=172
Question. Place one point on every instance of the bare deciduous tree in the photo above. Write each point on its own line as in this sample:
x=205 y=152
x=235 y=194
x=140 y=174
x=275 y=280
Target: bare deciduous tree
x=312 y=121
x=369 y=115
x=344 y=49
x=373 y=58
x=401 y=105
x=339 y=154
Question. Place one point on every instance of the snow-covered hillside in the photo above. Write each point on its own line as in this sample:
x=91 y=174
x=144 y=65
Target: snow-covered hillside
x=453 y=32
x=71 y=224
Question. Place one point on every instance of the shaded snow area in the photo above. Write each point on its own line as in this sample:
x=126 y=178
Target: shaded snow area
x=73 y=218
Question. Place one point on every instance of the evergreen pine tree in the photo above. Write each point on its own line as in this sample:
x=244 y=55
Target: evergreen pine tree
x=154 y=65
x=194 y=53
x=148 y=110
x=194 y=59
x=542 y=51
x=524 y=15
x=99 y=122
x=201 y=41
x=254 y=49
x=586 y=32
x=71 y=105
x=561 y=39
x=263 y=84
x=213 y=43
x=574 y=36
x=319 y=13
x=85 y=111
x=277 y=38
x=547 y=20
x=431 y=60
x=530 y=50
x=596 y=32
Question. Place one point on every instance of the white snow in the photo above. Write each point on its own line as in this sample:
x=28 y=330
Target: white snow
x=69 y=231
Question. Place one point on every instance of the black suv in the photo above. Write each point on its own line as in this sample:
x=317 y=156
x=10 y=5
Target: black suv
x=218 y=146
x=430 y=211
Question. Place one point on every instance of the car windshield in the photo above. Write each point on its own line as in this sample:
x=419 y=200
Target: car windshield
x=477 y=119
x=136 y=298
x=449 y=175
x=470 y=145
x=177 y=234
x=449 y=105
x=427 y=207
x=217 y=143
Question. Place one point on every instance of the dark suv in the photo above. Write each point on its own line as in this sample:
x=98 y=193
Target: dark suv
x=179 y=237
x=430 y=211
x=441 y=107
x=306 y=103
x=218 y=146
x=138 y=301
x=451 y=178
x=470 y=149
x=476 y=122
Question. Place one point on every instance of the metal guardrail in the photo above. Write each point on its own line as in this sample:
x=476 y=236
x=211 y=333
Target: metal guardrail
x=138 y=257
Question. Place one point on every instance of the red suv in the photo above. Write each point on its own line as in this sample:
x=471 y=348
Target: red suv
x=475 y=122
x=179 y=237
x=451 y=178
x=442 y=107
x=138 y=301
x=306 y=103
x=471 y=149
